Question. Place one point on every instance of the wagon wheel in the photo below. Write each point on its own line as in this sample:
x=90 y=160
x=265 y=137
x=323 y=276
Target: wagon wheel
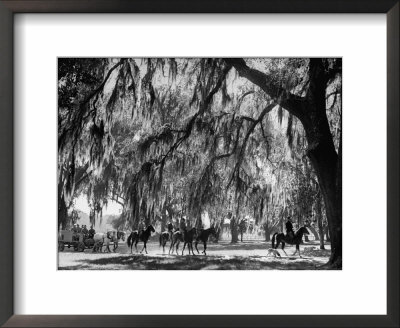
x=60 y=246
x=81 y=247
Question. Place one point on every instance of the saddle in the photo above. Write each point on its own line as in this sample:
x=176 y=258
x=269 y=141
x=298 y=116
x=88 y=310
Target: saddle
x=290 y=235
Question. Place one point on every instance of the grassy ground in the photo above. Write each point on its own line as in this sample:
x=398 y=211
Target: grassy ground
x=249 y=255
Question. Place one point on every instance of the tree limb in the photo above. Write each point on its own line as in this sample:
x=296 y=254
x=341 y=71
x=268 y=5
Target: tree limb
x=280 y=95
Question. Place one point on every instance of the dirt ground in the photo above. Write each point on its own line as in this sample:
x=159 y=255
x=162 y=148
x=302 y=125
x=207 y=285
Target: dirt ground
x=247 y=255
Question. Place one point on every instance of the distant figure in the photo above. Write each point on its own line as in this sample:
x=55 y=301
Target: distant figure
x=289 y=228
x=85 y=230
x=170 y=226
x=78 y=229
x=141 y=226
x=182 y=227
x=242 y=228
x=92 y=232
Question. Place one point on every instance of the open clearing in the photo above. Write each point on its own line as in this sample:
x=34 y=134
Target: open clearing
x=249 y=255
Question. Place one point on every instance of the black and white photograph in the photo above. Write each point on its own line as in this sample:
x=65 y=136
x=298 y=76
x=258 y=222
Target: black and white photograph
x=199 y=163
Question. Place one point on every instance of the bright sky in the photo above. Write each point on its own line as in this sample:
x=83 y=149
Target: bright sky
x=112 y=208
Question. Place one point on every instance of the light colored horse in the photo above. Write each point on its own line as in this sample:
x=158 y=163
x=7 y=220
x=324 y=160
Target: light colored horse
x=101 y=239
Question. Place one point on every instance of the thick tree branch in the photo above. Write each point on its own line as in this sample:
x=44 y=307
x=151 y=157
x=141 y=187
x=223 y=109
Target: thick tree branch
x=289 y=101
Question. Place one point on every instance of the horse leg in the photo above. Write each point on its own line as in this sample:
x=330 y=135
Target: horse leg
x=195 y=245
x=184 y=245
x=283 y=247
x=205 y=247
x=144 y=246
x=191 y=246
x=298 y=249
x=171 y=247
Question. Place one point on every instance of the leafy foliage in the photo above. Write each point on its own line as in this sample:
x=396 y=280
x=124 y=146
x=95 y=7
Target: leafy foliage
x=179 y=136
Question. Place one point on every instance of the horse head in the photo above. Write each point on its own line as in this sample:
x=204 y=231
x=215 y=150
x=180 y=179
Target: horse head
x=213 y=231
x=151 y=228
x=121 y=235
x=304 y=230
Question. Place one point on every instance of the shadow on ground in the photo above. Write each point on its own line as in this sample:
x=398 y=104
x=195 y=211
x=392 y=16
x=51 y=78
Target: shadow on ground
x=187 y=262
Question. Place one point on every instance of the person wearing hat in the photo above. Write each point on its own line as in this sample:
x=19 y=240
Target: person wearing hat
x=170 y=226
x=289 y=228
x=91 y=232
x=84 y=230
x=182 y=227
x=141 y=226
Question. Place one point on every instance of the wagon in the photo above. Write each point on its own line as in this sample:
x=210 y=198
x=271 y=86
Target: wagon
x=75 y=240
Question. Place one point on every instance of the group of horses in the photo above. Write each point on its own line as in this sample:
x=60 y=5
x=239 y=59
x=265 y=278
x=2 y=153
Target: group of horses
x=187 y=237
x=202 y=235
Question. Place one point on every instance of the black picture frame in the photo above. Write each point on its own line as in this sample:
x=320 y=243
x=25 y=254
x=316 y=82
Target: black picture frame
x=11 y=7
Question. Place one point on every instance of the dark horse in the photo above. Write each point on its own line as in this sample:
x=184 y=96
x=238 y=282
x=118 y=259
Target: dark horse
x=164 y=237
x=143 y=236
x=187 y=238
x=203 y=237
x=296 y=240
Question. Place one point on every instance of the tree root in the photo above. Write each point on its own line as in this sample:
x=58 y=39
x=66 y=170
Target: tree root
x=331 y=265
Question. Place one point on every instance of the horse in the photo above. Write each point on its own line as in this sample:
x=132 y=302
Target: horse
x=296 y=240
x=178 y=237
x=143 y=236
x=121 y=235
x=164 y=237
x=102 y=239
x=188 y=237
x=203 y=237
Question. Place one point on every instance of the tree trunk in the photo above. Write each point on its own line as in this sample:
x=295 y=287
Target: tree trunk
x=325 y=161
x=234 y=232
x=62 y=214
x=319 y=221
x=267 y=231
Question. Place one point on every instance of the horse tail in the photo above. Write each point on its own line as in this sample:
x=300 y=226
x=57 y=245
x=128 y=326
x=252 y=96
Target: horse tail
x=130 y=242
x=273 y=239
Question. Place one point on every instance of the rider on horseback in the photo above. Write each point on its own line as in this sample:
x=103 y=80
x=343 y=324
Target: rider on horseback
x=170 y=226
x=182 y=227
x=141 y=226
x=289 y=228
